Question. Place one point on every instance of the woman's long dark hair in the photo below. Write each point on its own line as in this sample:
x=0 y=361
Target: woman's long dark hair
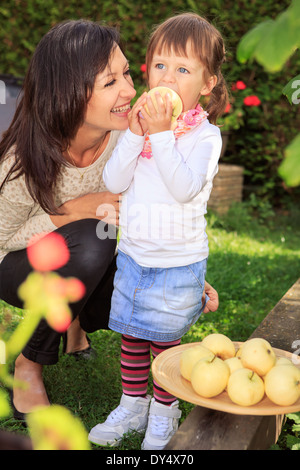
x=56 y=90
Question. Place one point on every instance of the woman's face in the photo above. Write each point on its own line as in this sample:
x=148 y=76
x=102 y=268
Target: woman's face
x=113 y=91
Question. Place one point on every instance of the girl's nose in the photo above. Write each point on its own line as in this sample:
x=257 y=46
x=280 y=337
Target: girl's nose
x=169 y=77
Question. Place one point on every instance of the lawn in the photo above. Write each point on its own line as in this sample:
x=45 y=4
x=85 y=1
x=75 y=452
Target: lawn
x=254 y=259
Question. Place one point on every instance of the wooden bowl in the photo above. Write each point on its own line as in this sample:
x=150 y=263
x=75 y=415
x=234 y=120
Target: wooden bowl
x=166 y=372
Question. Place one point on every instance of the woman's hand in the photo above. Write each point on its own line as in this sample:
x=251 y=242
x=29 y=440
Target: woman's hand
x=213 y=302
x=102 y=206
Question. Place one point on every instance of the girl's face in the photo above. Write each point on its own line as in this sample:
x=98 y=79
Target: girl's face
x=113 y=91
x=183 y=74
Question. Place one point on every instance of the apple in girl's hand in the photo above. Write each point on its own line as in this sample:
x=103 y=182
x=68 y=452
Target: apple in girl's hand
x=190 y=356
x=258 y=355
x=245 y=387
x=220 y=345
x=175 y=98
x=210 y=376
x=282 y=384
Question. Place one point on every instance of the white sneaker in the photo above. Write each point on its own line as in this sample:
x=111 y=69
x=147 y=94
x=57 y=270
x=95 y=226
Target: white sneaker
x=131 y=414
x=162 y=424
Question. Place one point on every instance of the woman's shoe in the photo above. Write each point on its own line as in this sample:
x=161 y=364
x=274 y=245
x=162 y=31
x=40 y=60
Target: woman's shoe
x=16 y=413
x=87 y=353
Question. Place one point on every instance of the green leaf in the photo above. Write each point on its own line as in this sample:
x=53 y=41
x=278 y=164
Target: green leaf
x=279 y=43
x=272 y=42
x=4 y=405
x=292 y=90
x=56 y=428
x=289 y=169
x=294 y=417
x=251 y=39
x=294 y=10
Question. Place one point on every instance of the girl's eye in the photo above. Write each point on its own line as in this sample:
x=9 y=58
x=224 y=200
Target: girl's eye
x=127 y=72
x=159 y=66
x=110 y=83
x=183 y=70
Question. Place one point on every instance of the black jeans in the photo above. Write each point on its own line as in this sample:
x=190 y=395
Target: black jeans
x=92 y=260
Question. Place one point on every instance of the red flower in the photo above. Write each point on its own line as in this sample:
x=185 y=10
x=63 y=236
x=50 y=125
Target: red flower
x=47 y=252
x=59 y=317
x=143 y=68
x=228 y=108
x=75 y=289
x=240 y=85
x=252 y=100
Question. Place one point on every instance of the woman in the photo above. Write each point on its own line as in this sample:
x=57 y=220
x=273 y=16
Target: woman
x=52 y=158
x=76 y=98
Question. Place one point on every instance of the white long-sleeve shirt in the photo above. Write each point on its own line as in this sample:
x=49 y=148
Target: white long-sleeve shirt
x=165 y=197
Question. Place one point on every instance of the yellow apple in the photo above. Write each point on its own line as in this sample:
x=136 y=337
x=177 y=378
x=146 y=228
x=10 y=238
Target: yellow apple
x=239 y=351
x=210 y=376
x=220 y=345
x=282 y=385
x=190 y=356
x=258 y=355
x=176 y=100
x=245 y=387
x=283 y=361
x=234 y=363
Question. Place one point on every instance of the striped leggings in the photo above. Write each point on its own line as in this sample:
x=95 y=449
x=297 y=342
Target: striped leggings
x=135 y=367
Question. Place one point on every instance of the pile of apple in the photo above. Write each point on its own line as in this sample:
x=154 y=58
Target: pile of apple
x=247 y=375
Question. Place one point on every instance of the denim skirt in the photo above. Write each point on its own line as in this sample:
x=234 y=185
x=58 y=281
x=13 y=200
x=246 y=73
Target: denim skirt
x=157 y=304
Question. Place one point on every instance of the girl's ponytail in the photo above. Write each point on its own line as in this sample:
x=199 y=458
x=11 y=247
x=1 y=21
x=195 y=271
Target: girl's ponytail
x=218 y=99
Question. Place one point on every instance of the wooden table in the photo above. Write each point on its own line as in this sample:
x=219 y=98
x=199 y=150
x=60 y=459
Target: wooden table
x=206 y=429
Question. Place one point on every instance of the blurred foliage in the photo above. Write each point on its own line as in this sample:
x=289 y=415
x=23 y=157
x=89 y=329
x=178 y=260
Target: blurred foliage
x=271 y=43
x=258 y=145
x=53 y=427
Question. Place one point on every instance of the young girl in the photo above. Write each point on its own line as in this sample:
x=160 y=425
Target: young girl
x=166 y=179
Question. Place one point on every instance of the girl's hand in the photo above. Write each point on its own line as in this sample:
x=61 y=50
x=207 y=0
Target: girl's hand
x=137 y=124
x=160 y=119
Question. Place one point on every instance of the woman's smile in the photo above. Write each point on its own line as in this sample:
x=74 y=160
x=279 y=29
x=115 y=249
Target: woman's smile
x=122 y=111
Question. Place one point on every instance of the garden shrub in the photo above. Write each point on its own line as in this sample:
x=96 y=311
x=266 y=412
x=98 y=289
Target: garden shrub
x=258 y=146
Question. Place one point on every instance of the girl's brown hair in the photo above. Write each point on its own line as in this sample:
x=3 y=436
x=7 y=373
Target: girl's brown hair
x=57 y=87
x=207 y=44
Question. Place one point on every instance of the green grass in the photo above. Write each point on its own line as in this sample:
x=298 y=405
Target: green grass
x=254 y=259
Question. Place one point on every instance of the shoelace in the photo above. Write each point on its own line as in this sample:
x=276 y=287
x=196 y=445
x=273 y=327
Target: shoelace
x=118 y=414
x=159 y=425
